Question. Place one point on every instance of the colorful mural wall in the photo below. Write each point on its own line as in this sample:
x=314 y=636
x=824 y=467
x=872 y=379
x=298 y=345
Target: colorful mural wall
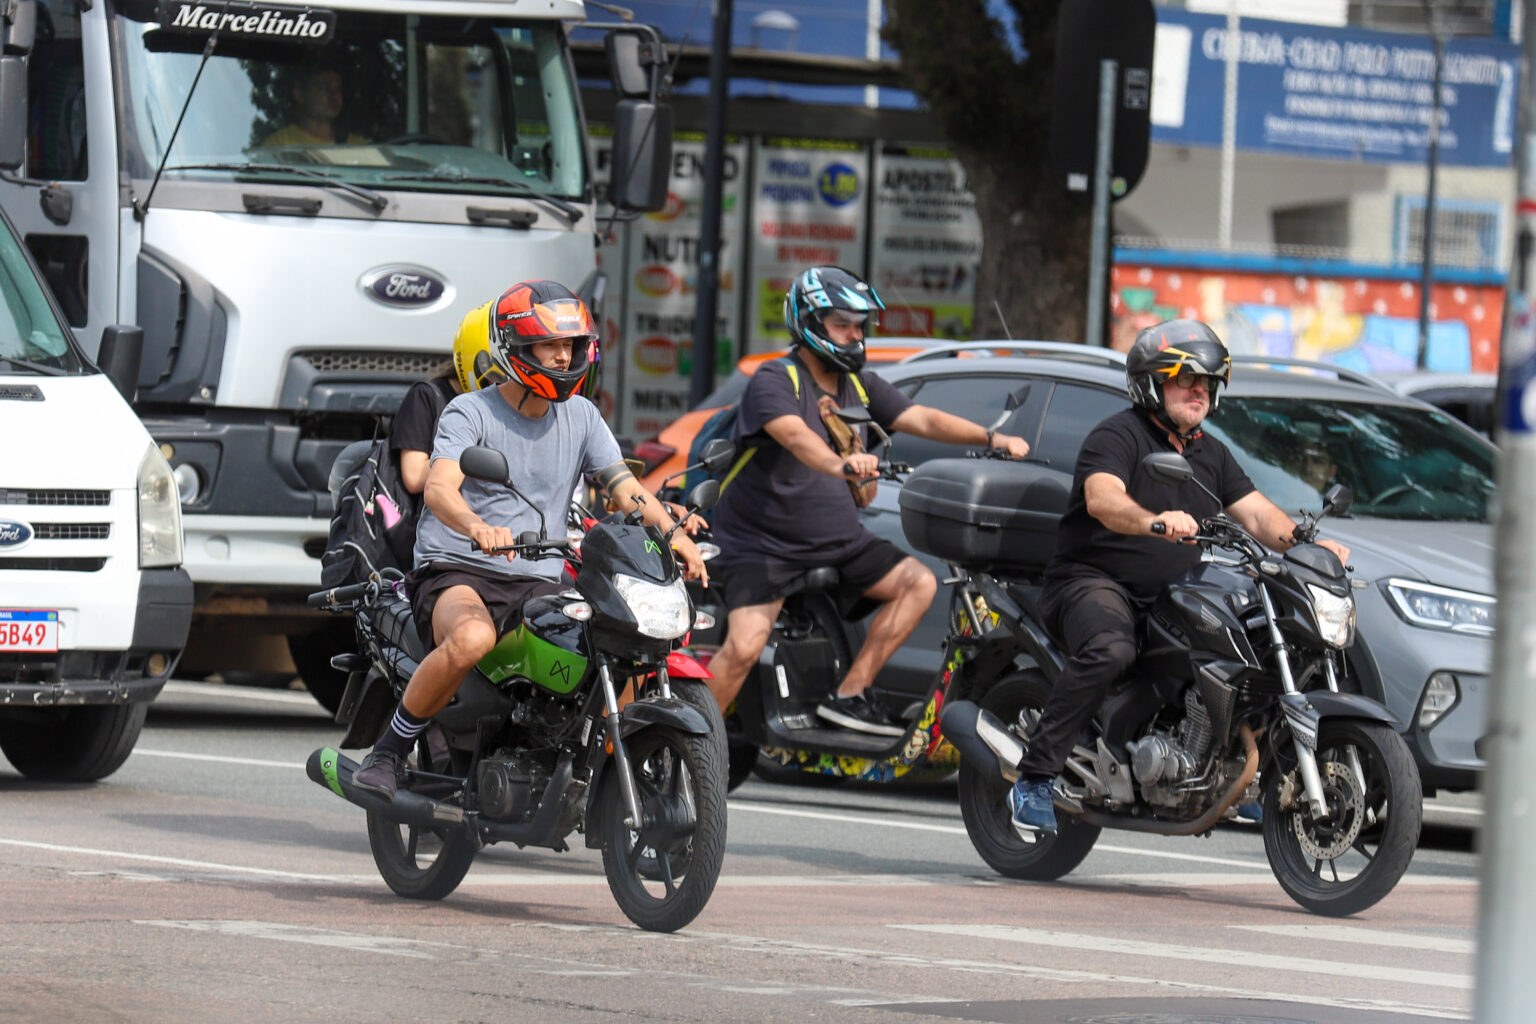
x=1366 y=324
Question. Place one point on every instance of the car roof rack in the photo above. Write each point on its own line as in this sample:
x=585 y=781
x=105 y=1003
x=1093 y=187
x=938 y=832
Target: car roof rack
x=1057 y=349
x=1343 y=373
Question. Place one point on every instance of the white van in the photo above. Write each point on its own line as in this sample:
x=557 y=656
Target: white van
x=94 y=604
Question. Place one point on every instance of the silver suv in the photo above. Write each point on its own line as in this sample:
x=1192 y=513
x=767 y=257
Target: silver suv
x=1419 y=529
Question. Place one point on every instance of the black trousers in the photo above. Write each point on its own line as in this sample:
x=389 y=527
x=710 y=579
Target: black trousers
x=1094 y=619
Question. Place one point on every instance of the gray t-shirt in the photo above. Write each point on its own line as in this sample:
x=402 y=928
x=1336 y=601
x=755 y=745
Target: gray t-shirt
x=546 y=457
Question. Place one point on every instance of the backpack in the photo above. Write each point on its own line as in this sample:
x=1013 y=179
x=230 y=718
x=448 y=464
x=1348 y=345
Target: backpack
x=373 y=518
x=723 y=424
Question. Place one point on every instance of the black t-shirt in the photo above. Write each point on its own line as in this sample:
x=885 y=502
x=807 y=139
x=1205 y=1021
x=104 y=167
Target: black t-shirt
x=415 y=424
x=778 y=507
x=1085 y=546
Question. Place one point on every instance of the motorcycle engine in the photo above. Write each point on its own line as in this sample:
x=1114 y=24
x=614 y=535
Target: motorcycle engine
x=506 y=786
x=1164 y=761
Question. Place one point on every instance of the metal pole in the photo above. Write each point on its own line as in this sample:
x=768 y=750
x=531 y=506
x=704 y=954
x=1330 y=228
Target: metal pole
x=873 y=10
x=1234 y=44
x=1098 y=262
x=1506 y=934
x=705 y=311
x=1427 y=281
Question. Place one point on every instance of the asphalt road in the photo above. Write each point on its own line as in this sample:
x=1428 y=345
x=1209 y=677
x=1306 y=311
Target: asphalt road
x=210 y=880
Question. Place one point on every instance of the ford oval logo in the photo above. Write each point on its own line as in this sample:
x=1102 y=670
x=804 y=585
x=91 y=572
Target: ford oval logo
x=403 y=286
x=14 y=534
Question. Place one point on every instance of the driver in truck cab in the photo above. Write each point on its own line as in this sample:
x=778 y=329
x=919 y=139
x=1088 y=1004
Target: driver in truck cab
x=541 y=338
x=317 y=101
x=1110 y=562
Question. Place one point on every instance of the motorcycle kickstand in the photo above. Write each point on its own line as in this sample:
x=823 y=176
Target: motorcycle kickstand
x=620 y=754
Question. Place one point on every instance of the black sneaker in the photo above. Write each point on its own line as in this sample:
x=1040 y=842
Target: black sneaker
x=858 y=713
x=380 y=773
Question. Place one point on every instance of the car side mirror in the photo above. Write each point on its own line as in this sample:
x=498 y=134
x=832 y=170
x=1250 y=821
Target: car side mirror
x=121 y=352
x=484 y=464
x=717 y=455
x=1337 y=500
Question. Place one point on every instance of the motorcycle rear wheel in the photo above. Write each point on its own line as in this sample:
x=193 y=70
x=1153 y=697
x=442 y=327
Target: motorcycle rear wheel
x=984 y=802
x=662 y=876
x=1350 y=861
x=418 y=863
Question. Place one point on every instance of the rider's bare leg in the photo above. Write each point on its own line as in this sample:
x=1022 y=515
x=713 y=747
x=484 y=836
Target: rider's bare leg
x=746 y=633
x=907 y=591
x=465 y=634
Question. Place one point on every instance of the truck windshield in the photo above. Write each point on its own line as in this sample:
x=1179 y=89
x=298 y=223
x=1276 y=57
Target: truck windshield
x=32 y=340
x=403 y=102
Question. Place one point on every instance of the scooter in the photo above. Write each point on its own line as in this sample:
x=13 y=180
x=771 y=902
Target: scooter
x=534 y=745
x=1238 y=687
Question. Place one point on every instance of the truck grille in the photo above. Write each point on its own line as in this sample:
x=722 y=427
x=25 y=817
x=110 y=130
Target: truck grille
x=71 y=531
x=22 y=496
x=52 y=564
x=406 y=364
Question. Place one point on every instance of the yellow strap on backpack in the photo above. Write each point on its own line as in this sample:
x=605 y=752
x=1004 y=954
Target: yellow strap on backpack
x=794 y=379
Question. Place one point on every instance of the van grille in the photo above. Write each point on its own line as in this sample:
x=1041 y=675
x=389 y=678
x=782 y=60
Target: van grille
x=16 y=496
x=21 y=393
x=52 y=564
x=407 y=364
x=71 y=531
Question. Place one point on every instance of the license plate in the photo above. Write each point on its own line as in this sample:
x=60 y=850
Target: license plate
x=23 y=629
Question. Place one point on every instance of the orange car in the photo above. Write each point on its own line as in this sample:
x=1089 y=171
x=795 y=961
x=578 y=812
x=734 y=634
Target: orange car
x=667 y=452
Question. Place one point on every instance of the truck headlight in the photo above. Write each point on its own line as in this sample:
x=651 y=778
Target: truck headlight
x=1335 y=616
x=159 y=512
x=660 y=609
x=1431 y=607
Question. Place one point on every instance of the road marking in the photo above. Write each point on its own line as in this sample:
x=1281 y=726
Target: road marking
x=1170 y=951
x=232 y=692
x=175 y=861
x=1362 y=936
x=252 y=762
x=1454 y=809
x=385 y=944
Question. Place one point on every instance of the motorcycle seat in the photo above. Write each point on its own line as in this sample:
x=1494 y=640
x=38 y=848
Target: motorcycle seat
x=823 y=577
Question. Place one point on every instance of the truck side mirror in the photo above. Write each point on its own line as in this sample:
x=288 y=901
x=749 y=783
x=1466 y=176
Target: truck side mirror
x=642 y=155
x=122 y=349
x=629 y=56
x=13 y=112
x=20 y=27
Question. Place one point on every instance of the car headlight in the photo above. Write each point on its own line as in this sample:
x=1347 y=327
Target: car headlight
x=1432 y=607
x=159 y=512
x=660 y=609
x=1335 y=616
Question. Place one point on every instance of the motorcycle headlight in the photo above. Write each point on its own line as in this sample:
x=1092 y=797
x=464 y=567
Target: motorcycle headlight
x=660 y=609
x=1335 y=616
x=159 y=512
x=1432 y=607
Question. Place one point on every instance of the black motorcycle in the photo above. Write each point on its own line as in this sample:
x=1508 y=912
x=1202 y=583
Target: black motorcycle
x=1240 y=690
x=534 y=745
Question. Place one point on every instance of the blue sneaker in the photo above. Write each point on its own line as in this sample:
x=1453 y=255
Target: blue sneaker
x=1031 y=806
x=1251 y=811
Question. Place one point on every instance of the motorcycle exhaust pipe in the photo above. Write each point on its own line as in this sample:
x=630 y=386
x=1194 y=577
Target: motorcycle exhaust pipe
x=981 y=738
x=330 y=768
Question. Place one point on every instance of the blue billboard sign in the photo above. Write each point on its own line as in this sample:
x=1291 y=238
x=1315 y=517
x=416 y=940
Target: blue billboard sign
x=1334 y=92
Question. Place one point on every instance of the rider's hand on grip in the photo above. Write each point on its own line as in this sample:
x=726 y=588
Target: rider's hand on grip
x=1174 y=525
x=487 y=538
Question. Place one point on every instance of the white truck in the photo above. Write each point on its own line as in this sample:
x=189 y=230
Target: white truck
x=297 y=203
x=94 y=606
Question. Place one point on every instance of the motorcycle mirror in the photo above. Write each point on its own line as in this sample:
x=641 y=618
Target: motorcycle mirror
x=1168 y=468
x=1013 y=401
x=853 y=414
x=704 y=496
x=718 y=455
x=484 y=464
x=1337 y=501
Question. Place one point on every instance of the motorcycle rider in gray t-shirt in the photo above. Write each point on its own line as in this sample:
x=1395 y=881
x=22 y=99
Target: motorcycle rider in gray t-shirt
x=542 y=338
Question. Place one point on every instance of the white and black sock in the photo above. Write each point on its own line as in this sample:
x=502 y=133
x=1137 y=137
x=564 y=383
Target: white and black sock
x=402 y=732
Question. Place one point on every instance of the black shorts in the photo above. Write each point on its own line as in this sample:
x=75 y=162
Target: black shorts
x=504 y=595
x=761 y=581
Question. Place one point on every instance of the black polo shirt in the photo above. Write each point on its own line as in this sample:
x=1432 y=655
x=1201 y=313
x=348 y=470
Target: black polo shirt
x=1085 y=546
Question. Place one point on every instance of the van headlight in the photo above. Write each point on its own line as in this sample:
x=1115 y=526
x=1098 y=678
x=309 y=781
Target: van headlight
x=1432 y=607
x=1335 y=616
x=660 y=609
x=159 y=512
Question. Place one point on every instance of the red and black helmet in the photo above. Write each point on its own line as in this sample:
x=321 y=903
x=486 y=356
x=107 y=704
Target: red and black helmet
x=1163 y=351
x=535 y=311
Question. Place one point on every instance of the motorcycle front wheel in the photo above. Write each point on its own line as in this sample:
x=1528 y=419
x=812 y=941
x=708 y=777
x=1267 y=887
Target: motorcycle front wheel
x=984 y=802
x=663 y=873
x=1348 y=861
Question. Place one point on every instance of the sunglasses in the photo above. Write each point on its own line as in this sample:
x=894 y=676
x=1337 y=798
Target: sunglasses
x=1187 y=378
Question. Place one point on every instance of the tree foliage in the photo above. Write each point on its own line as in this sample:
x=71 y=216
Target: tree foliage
x=995 y=108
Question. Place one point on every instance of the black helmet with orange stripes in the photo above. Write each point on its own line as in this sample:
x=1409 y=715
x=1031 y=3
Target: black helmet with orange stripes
x=535 y=311
x=1168 y=350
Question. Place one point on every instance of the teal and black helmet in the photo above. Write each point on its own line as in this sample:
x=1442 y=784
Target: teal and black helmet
x=815 y=293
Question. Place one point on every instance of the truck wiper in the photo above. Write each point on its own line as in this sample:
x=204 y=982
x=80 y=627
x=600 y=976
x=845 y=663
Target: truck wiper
x=367 y=195
x=523 y=191
x=27 y=364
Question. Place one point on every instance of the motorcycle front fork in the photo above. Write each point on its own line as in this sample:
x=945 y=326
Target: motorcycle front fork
x=620 y=754
x=1306 y=754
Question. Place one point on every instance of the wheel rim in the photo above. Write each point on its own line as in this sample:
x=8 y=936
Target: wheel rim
x=1332 y=855
x=657 y=858
x=414 y=850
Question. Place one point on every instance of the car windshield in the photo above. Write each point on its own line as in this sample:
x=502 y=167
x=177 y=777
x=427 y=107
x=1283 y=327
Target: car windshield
x=1400 y=462
x=31 y=338
x=398 y=101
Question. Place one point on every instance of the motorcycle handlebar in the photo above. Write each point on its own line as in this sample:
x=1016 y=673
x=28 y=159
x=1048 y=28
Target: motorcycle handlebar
x=528 y=548
x=338 y=596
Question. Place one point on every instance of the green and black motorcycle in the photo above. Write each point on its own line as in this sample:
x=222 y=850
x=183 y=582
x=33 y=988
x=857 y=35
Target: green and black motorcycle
x=534 y=745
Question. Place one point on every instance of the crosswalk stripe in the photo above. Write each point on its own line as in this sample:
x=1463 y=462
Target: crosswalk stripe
x=1171 y=951
x=1361 y=936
